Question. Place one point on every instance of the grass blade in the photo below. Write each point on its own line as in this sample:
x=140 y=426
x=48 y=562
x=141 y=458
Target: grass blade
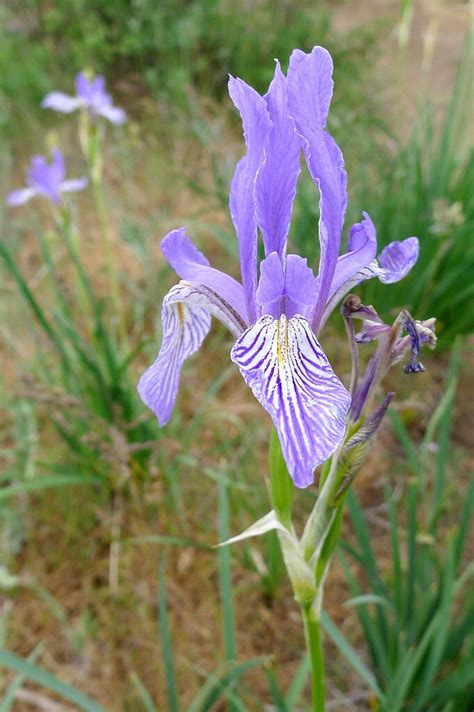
x=143 y=692
x=352 y=656
x=278 y=699
x=296 y=687
x=46 y=679
x=16 y=684
x=166 y=644
x=225 y=575
x=45 y=482
x=219 y=681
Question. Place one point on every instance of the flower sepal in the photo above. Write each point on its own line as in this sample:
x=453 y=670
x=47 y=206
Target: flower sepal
x=300 y=573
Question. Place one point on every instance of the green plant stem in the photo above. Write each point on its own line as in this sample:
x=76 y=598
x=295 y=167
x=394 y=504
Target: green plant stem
x=312 y=628
x=91 y=138
x=110 y=260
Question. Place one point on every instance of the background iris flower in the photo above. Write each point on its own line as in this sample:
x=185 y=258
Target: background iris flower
x=47 y=180
x=91 y=96
x=278 y=309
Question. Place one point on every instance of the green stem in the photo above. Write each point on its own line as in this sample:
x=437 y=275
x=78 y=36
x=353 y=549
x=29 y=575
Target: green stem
x=312 y=628
x=110 y=259
x=91 y=138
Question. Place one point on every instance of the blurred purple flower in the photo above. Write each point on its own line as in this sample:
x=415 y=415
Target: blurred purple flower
x=46 y=179
x=91 y=95
x=277 y=315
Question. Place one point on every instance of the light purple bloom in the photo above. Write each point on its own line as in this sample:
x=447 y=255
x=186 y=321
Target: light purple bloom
x=46 y=179
x=91 y=96
x=277 y=310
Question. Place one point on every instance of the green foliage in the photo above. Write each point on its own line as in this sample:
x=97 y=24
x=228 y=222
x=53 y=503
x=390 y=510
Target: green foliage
x=28 y=671
x=416 y=621
x=170 y=46
x=82 y=369
x=427 y=189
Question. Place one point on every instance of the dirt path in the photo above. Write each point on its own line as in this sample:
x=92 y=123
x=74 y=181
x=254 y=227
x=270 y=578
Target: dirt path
x=434 y=46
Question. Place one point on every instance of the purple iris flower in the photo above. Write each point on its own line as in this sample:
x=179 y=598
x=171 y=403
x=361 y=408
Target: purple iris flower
x=278 y=308
x=91 y=96
x=46 y=179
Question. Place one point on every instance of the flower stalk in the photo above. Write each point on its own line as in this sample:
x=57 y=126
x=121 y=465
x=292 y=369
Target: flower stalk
x=314 y=645
x=91 y=139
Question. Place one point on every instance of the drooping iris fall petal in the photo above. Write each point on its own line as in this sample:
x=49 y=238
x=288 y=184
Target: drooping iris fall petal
x=289 y=374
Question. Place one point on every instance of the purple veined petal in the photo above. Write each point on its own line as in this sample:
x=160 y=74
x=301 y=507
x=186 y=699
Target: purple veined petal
x=74 y=185
x=113 y=114
x=397 y=259
x=185 y=327
x=309 y=88
x=190 y=264
x=58 y=101
x=257 y=124
x=289 y=374
x=201 y=296
x=20 y=196
x=275 y=186
x=186 y=318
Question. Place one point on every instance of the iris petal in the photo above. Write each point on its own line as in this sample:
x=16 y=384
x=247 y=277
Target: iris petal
x=289 y=374
x=58 y=101
x=394 y=263
x=276 y=181
x=310 y=88
x=257 y=124
x=185 y=327
x=190 y=264
x=397 y=259
x=186 y=319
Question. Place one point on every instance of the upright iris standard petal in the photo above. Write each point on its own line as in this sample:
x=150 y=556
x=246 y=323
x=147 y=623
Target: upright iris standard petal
x=309 y=87
x=289 y=374
x=276 y=181
x=394 y=263
x=190 y=264
x=361 y=250
x=257 y=125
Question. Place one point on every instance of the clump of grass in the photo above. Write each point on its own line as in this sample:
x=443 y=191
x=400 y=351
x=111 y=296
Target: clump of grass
x=426 y=189
x=416 y=618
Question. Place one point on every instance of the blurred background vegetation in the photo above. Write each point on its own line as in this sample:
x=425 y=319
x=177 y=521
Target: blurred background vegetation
x=110 y=588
